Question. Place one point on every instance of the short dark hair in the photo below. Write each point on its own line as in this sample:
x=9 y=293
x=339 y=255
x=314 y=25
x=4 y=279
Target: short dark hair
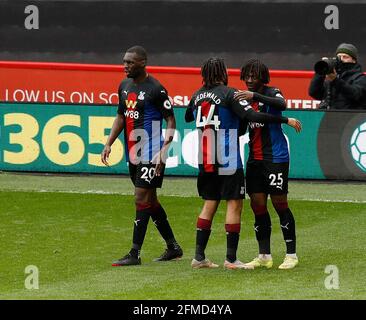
x=140 y=51
x=257 y=68
x=214 y=72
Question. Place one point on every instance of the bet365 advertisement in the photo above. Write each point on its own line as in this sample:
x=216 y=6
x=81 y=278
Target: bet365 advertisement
x=70 y=138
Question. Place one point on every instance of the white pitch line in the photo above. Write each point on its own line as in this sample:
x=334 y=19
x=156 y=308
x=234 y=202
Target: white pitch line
x=89 y=192
x=167 y=195
x=330 y=200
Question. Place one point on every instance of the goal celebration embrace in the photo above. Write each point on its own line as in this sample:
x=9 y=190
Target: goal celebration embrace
x=184 y=157
x=221 y=114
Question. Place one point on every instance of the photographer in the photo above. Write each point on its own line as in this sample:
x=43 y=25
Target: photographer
x=339 y=82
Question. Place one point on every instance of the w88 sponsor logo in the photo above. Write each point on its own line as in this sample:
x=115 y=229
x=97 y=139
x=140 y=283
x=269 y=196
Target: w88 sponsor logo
x=254 y=125
x=132 y=114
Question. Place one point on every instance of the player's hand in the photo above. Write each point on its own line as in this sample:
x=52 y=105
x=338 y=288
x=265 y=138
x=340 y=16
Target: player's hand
x=296 y=124
x=105 y=154
x=243 y=95
x=159 y=160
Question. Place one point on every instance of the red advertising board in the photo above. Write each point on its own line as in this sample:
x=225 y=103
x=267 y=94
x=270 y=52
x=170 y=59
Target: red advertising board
x=97 y=84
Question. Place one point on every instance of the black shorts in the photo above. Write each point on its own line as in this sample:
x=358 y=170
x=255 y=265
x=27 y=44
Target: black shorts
x=267 y=177
x=212 y=186
x=143 y=175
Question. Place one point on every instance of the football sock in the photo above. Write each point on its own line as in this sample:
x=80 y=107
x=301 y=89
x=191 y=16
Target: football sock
x=139 y=228
x=160 y=220
x=232 y=240
x=287 y=222
x=263 y=228
x=202 y=236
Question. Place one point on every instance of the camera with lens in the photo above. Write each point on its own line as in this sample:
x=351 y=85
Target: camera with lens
x=327 y=65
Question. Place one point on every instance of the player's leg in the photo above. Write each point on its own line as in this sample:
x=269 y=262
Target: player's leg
x=288 y=228
x=146 y=184
x=139 y=228
x=233 y=191
x=256 y=188
x=145 y=181
x=208 y=186
x=143 y=204
x=160 y=219
x=263 y=228
x=278 y=189
x=203 y=233
x=232 y=228
x=262 y=224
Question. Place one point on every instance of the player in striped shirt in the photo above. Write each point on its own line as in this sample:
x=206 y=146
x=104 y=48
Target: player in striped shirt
x=143 y=104
x=220 y=120
x=267 y=166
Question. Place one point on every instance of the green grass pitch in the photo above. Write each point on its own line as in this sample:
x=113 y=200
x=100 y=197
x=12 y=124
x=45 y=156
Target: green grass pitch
x=72 y=228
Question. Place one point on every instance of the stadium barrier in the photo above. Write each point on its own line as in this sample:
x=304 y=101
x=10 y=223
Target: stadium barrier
x=97 y=84
x=70 y=138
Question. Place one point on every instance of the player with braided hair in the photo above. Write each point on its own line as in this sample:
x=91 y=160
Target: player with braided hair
x=219 y=122
x=214 y=73
x=268 y=165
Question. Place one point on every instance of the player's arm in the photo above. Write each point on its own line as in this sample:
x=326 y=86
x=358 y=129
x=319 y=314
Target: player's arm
x=166 y=109
x=246 y=113
x=117 y=128
x=189 y=115
x=169 y=132
x=275 y=99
